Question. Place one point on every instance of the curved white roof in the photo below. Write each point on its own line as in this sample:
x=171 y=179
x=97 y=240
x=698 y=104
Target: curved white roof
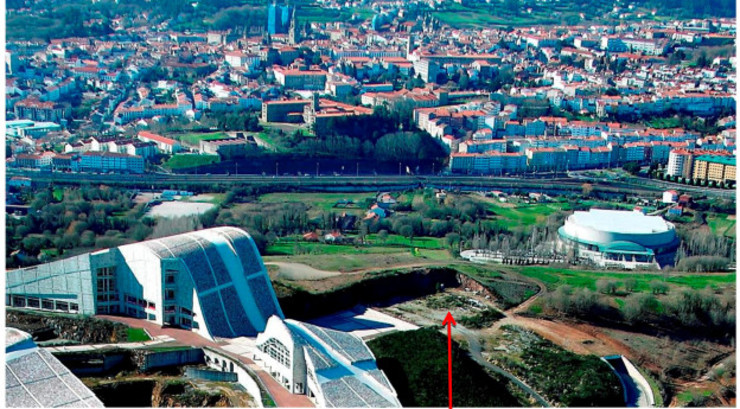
x=621 y=221
x=34 y=378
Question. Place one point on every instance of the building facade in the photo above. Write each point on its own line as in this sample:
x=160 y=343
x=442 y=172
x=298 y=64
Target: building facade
x=211 y=281
x=621 y=239
x=333 y=368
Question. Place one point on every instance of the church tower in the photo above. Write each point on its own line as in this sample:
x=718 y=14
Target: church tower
x=294 y=35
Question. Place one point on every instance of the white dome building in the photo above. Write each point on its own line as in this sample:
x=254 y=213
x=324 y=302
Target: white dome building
x=617 y=238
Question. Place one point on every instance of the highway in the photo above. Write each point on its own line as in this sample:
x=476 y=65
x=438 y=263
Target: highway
x=365 y=182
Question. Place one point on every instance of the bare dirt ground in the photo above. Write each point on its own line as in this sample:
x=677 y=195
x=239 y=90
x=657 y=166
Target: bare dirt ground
x=171 y=210
x=298 y=271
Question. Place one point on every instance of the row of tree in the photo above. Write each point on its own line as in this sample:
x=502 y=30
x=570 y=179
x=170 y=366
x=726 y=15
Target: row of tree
x=704 y=311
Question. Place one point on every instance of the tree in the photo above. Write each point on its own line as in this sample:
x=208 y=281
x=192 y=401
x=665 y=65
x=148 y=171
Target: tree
x=383 y=236
x=407 y=231
x=632 y=167
x=630 y=285
x=703 y=60
x=452 y=240
x=464 y=80
x=607 y=286
x=658 y=287
x=637 y=307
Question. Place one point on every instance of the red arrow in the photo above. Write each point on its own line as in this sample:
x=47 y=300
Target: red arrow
x=449 y=322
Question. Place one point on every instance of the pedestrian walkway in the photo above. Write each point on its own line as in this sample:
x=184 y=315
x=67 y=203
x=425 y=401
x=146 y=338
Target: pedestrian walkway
x=161 y=339
x=281 y=396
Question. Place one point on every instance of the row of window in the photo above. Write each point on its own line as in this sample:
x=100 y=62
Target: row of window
x=174 y=309
x=132 y=300
x=43 y=304
x=277 y=351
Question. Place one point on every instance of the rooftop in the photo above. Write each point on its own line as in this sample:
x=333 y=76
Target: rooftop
x=725 y=160
x=621 y=221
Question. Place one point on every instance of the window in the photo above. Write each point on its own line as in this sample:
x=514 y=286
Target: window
x=61 y=305
x=169 y=294
x=151 y=317
x=169 y=277
x=277 y=351
x=19 y=301
x=47 y=305
x=33 y=302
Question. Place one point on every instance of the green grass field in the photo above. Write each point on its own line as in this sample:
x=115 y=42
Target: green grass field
x=320 y=201
x=195 y=138
x=420 y=242
x=333 y=257
x=722 y=225
x=136 y=335
x=182 y=161
x=555 y=277
x=513 y=215
x=662 y=123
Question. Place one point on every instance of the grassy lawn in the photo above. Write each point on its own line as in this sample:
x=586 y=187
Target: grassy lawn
x=661 y=123
x=397 y=240
x=467 y=18
x=555 y=277
x=195 y=138
x=136 y=335
x=722 y=225
x=320 y=201
x=458 y=15
x=347 y=258
x=511 y=216
x=298 y=248
x=182 y=161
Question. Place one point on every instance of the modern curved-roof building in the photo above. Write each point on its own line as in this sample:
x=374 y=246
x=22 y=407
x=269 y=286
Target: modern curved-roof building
x=617 y=238
x=334 y=368
x=211 y=281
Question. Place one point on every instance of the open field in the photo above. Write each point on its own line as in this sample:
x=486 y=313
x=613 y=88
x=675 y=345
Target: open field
x=321 y=202
x=509 y=215
x=185 y=160
x=556 y=277
x=194 y=139
x=397 y=240
x=363 y=259
x=722 y=225
x=661 y=123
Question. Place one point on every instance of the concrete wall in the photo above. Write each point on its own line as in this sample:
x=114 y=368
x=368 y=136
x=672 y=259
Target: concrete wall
x=211 y=375
x=245 y=376
x=155 y=360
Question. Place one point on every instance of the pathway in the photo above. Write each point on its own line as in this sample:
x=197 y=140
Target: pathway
x=282 y=397
x=158 y=340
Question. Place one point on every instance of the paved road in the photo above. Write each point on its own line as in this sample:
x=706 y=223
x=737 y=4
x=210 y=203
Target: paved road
x=346 y=183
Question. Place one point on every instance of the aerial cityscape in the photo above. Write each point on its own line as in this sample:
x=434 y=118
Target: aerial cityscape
x=325 y=203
